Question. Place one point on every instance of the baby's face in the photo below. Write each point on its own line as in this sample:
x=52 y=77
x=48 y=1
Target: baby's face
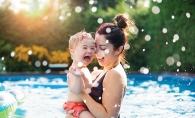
x=84 y=52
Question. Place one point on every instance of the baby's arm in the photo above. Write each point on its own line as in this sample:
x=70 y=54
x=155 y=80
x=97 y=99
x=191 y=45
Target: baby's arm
x=75 y=83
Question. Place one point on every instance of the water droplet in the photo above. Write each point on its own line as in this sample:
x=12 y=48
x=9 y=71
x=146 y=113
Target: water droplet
x=126 y=66
x=115 y=105
x=183 y=48
x=45 y=63
x=164 y=30
x=177 y=70
x=159 y=1
x=108 y=30
x=106 y=51
x=176 y=37
x=61 y=17
x=170 y=61
x=147 y=37
x=178 y=63
x=188 y=15
x=37 y=63
x=91 y=2
x=144 y=70
x=68 y=14
x=29 y=52
x=80 y=64
x=94 y=9
x=155 y=9
x=100 y=20
x=176 y=57
x=173 y=17
x=78 y=9
x=95 y=68
x=160 y=78
x=96 y=84
x=12 y=54
x=127 y=46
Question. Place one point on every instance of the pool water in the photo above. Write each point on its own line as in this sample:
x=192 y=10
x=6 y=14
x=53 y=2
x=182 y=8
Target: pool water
x=147 y=96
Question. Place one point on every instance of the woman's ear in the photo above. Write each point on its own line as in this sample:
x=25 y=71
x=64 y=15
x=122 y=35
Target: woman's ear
x=120 y=49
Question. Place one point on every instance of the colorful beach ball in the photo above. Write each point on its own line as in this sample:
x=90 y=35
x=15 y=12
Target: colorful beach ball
x=19 y=96
x=9 y=100
x=8 y=104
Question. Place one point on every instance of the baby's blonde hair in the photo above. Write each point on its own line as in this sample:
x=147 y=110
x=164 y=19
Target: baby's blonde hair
x=77 y=38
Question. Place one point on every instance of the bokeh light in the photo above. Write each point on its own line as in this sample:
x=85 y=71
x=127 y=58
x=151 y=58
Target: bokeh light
x=106 y=51
x=12 y=54
x=147 y=37
x=95 y=68
x=94 y=9
x=127 y=46
x=155 y=9
x=164 y=30
x=170 y=61
x=78 y=9
x=37 y=63
x=188 y=15
x=144 y=70
x=108 y=30
x=100 y=20
x=183 y=48
x=80 y=64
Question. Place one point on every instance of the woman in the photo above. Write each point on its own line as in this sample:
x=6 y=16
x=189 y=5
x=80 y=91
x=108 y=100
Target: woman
x=109 y=85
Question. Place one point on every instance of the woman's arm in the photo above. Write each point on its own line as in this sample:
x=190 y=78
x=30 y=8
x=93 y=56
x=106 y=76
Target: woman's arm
x=112 y=96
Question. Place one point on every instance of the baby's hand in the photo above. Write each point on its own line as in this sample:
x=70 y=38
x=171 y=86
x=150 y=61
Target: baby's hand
x=76 y=72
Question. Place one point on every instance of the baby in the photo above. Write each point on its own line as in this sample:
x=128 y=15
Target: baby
x=82 y=51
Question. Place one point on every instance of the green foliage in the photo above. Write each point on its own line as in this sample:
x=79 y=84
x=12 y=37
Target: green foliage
x=51 y=27
x=161 y=46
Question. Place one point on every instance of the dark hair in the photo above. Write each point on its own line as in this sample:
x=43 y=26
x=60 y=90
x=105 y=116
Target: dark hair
x=116 y=32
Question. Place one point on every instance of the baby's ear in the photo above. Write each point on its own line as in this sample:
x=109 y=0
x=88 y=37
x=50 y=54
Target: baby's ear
x=71 y=51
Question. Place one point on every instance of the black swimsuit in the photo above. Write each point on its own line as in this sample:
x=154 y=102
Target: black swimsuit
x=97 y=91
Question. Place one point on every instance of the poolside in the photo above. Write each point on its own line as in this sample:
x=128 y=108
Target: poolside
x=152 y=95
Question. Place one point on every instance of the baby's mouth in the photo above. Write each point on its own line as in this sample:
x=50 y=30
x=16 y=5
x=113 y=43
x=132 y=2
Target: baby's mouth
x=87 y=58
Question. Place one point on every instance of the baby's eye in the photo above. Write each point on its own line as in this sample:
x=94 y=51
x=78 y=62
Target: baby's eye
x=84 y=47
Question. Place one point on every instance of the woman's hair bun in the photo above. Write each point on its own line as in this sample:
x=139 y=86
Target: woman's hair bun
x=121 y=21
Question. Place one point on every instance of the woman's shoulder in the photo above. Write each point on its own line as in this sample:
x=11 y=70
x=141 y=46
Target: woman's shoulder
x=95 y=73
x=116 y=73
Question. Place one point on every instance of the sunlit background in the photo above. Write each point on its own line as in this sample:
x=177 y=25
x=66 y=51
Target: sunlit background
x=34 y=33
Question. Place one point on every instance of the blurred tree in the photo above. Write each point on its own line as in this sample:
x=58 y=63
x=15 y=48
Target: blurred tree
x=175 y=47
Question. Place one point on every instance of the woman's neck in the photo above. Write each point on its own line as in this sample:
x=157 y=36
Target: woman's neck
x=113 y=65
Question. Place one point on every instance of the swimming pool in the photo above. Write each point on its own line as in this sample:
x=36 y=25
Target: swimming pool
x=147 y=96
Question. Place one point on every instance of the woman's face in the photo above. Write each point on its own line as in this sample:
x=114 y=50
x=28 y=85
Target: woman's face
x=105 y=53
